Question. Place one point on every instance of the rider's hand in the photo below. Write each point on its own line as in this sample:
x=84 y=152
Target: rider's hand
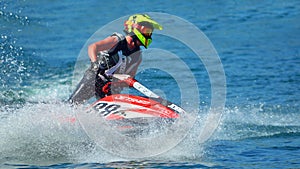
x=94 y=66
x=103 y=58
x=101 y=62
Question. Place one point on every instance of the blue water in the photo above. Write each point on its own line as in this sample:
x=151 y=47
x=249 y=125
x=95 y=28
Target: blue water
x=257 y=42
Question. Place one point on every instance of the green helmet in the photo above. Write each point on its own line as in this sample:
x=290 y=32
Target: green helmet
x=142 y=26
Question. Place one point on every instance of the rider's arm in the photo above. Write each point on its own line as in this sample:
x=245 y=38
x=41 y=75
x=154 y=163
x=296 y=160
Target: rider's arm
x=104 y=44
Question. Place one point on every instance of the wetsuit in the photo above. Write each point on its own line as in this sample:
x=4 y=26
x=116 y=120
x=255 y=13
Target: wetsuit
x=119 y=59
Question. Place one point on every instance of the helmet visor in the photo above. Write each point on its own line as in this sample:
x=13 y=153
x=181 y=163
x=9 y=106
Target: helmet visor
x=145 y=40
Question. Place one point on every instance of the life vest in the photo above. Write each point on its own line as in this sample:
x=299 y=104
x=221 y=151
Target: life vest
x=119 y=57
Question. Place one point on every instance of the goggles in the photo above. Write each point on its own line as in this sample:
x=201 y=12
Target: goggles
x=145 y=38
x=145 y=30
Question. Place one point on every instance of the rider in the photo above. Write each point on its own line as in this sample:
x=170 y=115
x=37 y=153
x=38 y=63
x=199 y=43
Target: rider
x=115 y=54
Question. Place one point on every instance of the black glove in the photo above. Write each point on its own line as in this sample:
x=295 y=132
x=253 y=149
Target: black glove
x=103 y=58
x=101 y=62
x=95 y=66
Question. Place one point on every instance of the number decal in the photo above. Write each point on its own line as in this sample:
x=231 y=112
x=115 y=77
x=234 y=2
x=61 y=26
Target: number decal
x=105 y=108
x=111 y=109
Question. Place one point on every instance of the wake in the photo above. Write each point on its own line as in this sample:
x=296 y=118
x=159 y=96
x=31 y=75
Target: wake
x=47 y=133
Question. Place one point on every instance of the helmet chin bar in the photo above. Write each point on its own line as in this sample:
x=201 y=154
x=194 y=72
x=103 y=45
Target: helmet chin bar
x=146 y=41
